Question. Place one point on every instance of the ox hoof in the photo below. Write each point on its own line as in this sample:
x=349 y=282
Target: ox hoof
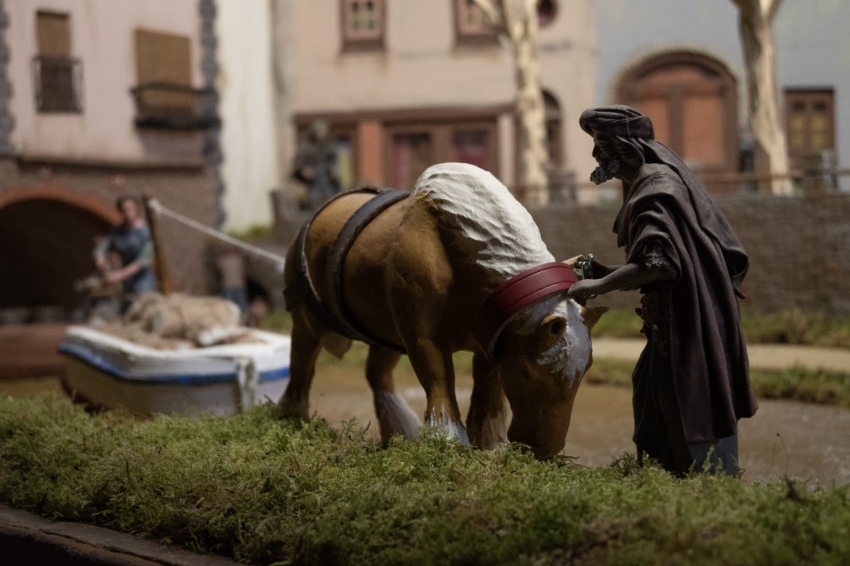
x=452 y=429
x=293 y=411
x=395 y=417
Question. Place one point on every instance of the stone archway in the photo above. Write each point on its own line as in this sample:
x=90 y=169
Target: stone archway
x=692 y=98
x=46 y=239
x=55 y=192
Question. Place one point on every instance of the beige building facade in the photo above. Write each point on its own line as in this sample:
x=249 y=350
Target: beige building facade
x=404 y=84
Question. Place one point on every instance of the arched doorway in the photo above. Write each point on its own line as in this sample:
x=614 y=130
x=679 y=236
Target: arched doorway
x=45 y=245
x=692 y=99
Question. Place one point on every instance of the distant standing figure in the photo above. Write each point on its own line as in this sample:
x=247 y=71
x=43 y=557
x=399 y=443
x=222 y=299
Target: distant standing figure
x=231 y=267
x=131 y=242
x=691 y=383
x=315 y=165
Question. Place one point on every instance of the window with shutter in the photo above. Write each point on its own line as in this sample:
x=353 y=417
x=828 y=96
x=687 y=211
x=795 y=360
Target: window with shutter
x=58 y=76
x=810 y=121
x=164 y=94
x=362 y=24
x=471 y=25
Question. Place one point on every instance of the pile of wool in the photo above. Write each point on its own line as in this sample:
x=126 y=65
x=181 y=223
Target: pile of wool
x=181 y=321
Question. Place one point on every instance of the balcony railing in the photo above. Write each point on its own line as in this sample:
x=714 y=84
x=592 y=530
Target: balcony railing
x=174 y=107
x=58 y=84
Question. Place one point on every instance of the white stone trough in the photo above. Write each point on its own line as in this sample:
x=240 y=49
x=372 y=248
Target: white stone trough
x=111 y=372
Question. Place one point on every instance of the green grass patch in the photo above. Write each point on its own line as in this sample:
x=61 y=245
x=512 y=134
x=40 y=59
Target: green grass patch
x=269 y=491
x=795 y=326
x=618 y=323
x=254 y=233
x=792 y=326
x=277 y=321
x=787 y=327
x=796 y=383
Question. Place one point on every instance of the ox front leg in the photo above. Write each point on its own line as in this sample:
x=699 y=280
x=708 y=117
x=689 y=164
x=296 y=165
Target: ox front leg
x=487 y=421
x=394 y=414
x=436 y=373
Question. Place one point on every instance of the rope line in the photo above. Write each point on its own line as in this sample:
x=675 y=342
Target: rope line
x=163 y=211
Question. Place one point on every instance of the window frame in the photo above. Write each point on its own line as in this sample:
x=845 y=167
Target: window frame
x=809 y=95
x=354 y=44
x=45 y=61
x=441 y=131
x=471 y=38
x=75 y=95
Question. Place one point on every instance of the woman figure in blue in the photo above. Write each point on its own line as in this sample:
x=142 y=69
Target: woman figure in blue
x=130 y=241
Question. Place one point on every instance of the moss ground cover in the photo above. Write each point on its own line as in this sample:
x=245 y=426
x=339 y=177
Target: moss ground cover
x=271 y=491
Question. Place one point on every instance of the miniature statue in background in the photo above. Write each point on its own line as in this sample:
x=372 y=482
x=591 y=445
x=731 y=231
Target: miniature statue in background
x=258 y=310
x=315 y=166
x=131 y=242
x=691 y=383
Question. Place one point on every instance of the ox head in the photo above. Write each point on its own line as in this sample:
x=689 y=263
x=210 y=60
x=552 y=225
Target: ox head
x=543 y=355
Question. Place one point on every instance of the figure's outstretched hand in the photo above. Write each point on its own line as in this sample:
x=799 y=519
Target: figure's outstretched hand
x=583 y=290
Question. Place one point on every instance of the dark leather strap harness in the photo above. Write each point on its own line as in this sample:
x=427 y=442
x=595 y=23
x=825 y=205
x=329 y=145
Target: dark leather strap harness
x=333 y=312
x=515 y=294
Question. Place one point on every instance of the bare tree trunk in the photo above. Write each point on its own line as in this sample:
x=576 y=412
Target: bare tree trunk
x=756 y=29
x=517 y=21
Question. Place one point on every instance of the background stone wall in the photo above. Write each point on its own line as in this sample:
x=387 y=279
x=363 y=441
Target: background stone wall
x=799 y=248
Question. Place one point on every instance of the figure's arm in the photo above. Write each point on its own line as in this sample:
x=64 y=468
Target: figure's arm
x=99 y=255
x=624 y=277
x=600 y=270
x=144 y=260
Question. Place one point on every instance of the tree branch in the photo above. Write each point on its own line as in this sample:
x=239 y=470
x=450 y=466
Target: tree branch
x=771 y=9
x=492 y=14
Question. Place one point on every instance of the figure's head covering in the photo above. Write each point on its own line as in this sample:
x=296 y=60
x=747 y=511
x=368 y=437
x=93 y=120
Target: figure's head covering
x=619 y=121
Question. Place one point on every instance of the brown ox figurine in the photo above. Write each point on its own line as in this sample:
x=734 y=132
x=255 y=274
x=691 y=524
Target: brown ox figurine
x=414 y=280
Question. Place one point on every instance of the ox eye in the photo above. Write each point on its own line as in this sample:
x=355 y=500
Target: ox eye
x=525 y=374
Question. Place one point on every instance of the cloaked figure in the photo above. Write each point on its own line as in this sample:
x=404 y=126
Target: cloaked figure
x=691 y=383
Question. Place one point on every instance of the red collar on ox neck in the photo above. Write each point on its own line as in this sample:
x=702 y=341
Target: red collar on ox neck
x=515 y=294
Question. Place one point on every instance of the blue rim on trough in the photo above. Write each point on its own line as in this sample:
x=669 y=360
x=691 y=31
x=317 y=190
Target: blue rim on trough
x=86 y=355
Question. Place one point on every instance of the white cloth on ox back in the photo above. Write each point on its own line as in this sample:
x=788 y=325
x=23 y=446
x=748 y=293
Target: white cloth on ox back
x=487 y=221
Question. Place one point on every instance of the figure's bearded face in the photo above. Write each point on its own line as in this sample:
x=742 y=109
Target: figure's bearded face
x=609 y=164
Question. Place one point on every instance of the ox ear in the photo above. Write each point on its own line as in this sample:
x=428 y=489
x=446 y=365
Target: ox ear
x=591 y=316
x=551 y=330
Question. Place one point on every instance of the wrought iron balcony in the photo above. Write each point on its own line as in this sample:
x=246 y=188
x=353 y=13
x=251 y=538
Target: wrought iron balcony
x=175 y=107
x=58 y=84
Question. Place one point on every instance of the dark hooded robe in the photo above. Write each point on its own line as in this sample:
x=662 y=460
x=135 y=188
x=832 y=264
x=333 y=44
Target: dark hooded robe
x=694 y=369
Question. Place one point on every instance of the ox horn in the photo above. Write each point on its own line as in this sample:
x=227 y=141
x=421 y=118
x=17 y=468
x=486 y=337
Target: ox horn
x=591 y=315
